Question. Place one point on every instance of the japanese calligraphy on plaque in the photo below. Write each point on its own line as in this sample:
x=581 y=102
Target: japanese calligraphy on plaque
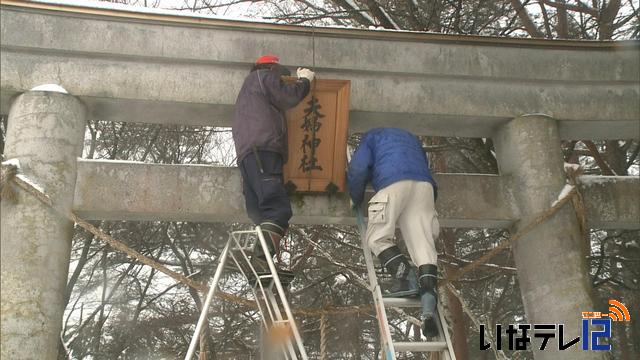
x=318 y=139
x=310 y=125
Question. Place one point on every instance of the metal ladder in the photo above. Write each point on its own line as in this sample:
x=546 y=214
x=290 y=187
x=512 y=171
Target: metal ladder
x=441 y=345
x=240 y=246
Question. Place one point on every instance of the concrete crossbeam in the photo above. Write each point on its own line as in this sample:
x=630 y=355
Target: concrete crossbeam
x=112 y=190
x=449 y=86
x=612 y=202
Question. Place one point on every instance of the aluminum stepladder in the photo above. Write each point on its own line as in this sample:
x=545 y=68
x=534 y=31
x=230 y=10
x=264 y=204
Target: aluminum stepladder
x=240 y=246
x=441 y=345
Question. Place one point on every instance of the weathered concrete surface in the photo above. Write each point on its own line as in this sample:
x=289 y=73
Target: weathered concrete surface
x=551 y=264
x=125 y=191
x=45 y=132
x=191 y=73
x=612 y=202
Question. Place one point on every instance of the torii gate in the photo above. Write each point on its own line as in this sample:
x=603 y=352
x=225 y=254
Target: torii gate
x=525 y=94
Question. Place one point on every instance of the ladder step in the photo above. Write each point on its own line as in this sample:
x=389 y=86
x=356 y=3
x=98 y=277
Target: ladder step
x=420 y=346
x=402 y=302
x=284 y=322
x=247 y=250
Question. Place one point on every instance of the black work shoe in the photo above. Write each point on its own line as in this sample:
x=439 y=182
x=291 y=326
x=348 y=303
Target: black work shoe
x=429 y=325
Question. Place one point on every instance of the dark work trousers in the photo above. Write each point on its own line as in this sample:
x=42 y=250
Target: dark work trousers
x=264 y=193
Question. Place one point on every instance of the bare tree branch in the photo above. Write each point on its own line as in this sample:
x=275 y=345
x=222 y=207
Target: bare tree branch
x=604 y=166
x=379 y=14
x=526 y=19
x=581 y=7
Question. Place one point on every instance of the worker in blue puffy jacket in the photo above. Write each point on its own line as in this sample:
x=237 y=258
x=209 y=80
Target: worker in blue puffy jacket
x=394 y=162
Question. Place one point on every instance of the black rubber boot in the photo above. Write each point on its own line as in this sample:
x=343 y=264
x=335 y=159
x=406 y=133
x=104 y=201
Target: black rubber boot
x=428 y=280
x=405 y=282
x=272 y=233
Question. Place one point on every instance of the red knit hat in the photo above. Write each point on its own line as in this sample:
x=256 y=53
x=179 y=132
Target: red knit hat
x=267 y=59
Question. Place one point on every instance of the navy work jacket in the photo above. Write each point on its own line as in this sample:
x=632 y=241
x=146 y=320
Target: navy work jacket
x=386 y=156
x=259 y=118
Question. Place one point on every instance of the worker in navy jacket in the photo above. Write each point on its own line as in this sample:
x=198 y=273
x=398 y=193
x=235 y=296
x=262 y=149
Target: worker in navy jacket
x=393 y=161
x=260 y=135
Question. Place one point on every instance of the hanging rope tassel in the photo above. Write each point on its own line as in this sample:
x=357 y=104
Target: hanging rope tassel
x=324 y=339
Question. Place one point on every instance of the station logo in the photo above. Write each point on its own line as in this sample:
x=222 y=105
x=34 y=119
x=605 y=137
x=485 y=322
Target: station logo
x=596 y=332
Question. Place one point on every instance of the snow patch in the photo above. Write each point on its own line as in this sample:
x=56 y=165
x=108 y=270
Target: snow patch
x=568 y=166
x=51 y=88
x=30 y=182
x=563 y=194
x=23 y=177
x=588 y=180
x=114 y=161
x=15 y=162
x=340 y=279
x=537 y=114
x=134 y=162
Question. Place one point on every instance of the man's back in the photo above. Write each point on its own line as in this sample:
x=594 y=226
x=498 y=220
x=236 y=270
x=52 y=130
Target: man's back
x=385 y=156
x=394 y=162
x=259 y=119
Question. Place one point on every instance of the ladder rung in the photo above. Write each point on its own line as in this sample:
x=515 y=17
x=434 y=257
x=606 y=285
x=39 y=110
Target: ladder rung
x=402 y=302
x=420 y=346
x=246 y=249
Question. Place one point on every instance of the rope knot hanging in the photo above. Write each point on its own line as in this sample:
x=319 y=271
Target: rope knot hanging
x=324 y=336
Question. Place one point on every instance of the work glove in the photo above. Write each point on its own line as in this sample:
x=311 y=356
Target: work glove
x=305 y=73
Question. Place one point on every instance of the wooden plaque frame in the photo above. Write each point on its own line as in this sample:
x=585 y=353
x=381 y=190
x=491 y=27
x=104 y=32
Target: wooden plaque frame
x=321 y=168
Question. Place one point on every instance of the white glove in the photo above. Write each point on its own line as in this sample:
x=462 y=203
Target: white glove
x=305 y=73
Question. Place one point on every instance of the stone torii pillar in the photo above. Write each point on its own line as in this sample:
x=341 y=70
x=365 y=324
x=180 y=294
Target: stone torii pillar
x=552 y=268
x=45 y=132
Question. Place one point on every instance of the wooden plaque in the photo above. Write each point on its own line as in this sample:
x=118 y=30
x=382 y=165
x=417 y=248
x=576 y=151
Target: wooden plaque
x=318 y=129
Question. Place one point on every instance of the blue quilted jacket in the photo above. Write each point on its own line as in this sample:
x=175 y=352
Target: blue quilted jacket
x=386 y=156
